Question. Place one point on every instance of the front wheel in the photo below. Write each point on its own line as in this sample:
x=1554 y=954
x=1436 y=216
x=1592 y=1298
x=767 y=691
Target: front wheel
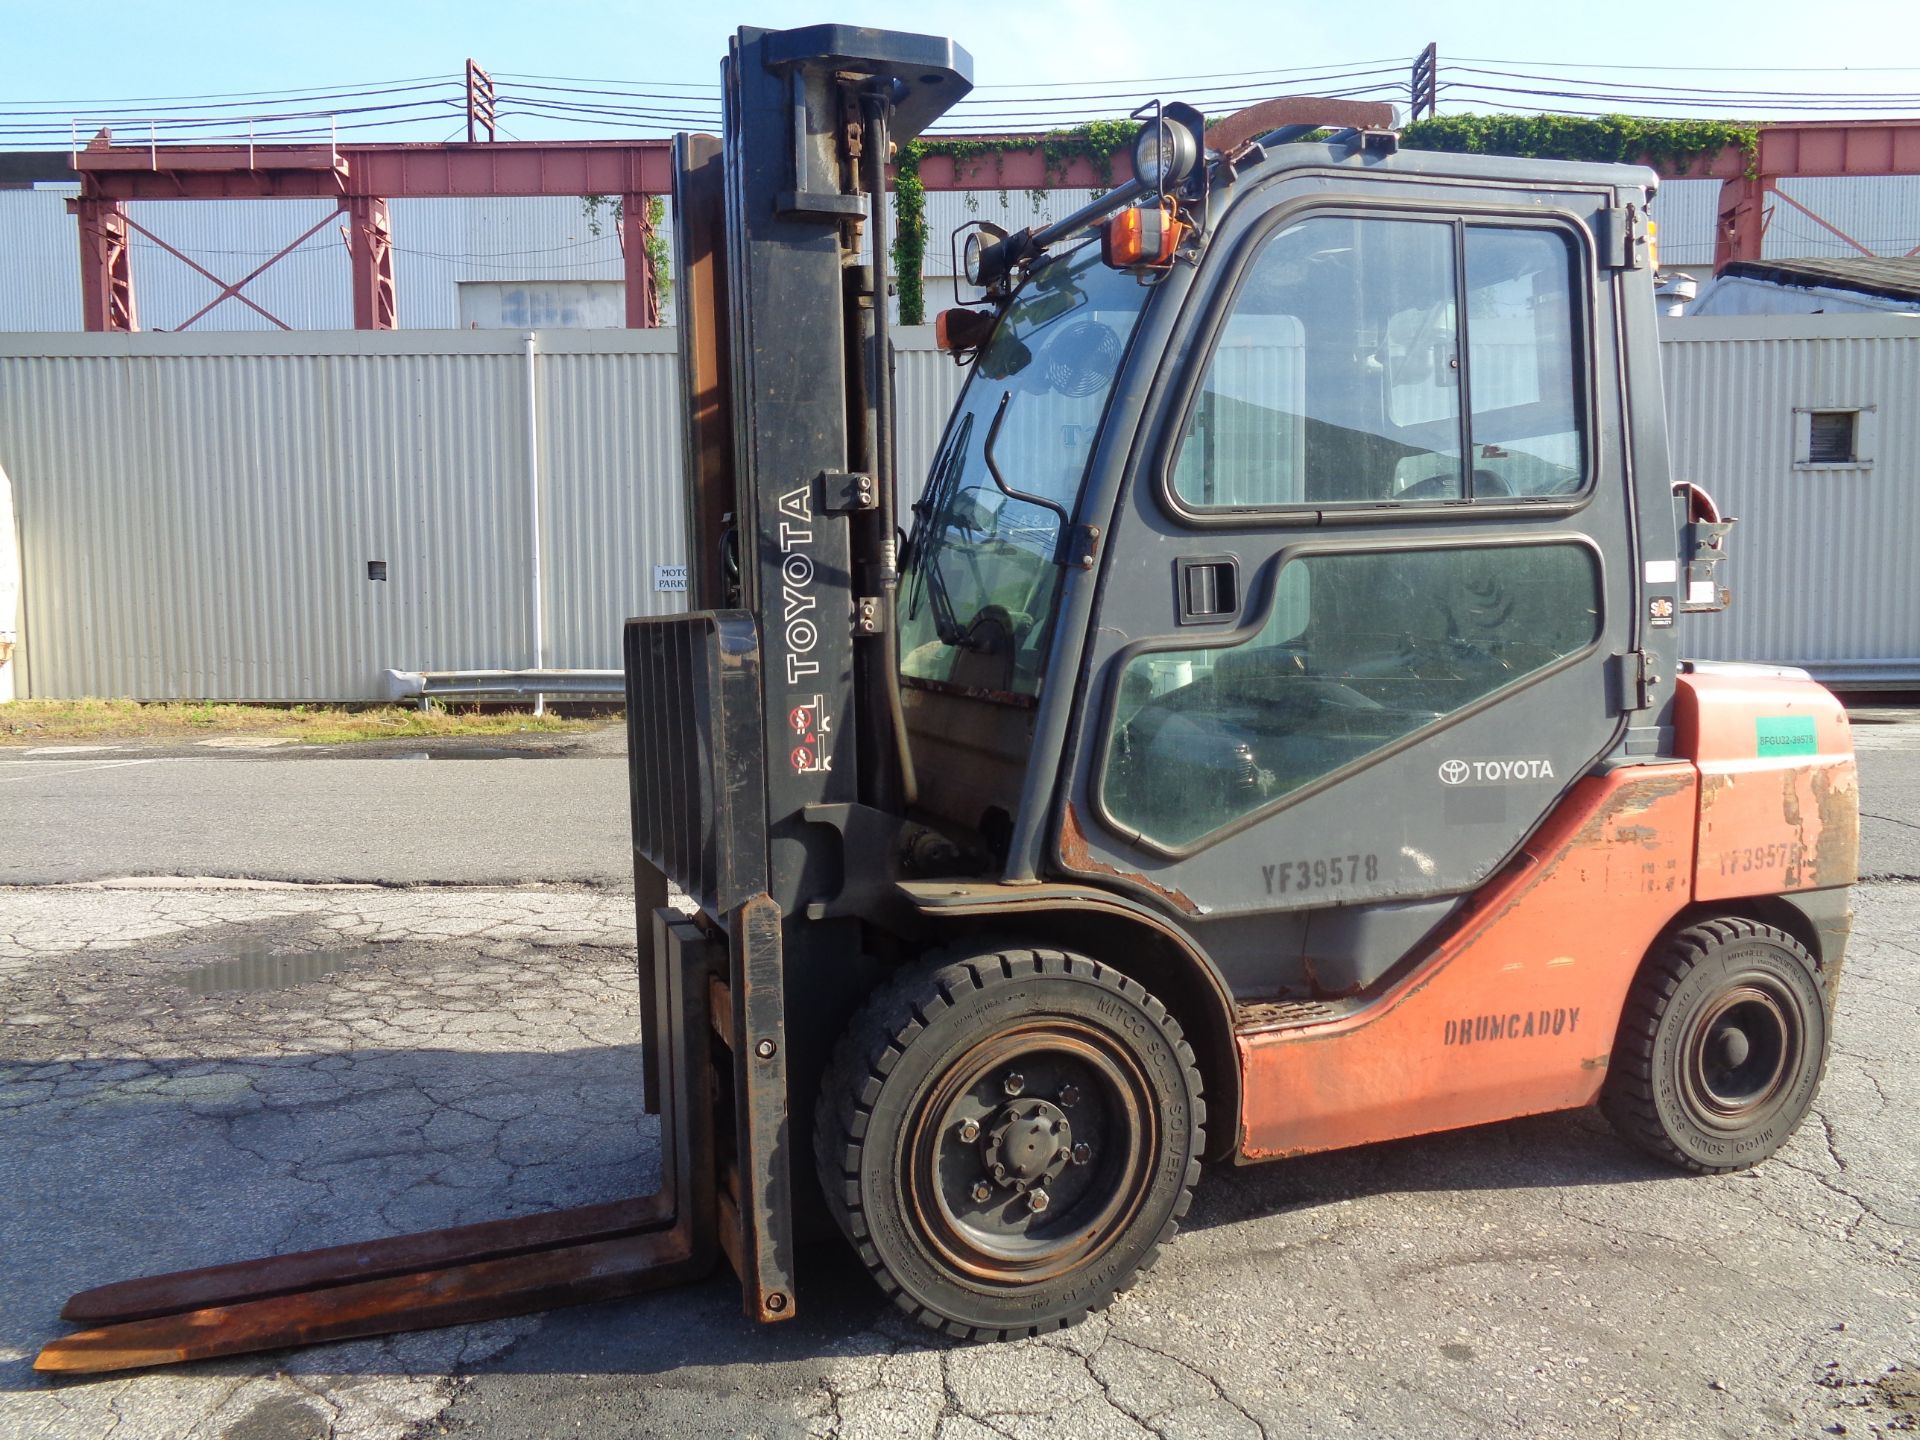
x=1007 y=1138
x=1721 y=1047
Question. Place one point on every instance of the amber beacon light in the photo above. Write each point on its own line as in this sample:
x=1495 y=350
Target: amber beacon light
x=1145 y=235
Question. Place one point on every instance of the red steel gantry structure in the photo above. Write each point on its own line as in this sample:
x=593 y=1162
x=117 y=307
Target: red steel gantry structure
x=363 y=178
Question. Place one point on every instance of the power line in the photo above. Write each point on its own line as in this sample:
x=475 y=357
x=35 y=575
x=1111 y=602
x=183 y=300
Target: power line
x=1020 y=85
x=1831 y=103
x=8 y=108
x=1691 y=90
x=606 y=80
x=1395 y=78
x=1393 y=60
x=1702 y=69
x=297 y=92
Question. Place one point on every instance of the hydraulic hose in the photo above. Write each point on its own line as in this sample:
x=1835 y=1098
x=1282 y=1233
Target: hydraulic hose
x=873 y=156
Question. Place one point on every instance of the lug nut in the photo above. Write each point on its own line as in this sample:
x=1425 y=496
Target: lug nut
x=1082 y=1153
x=1070 y=1095
x=1037 y=1201
x=982 y=1191
x=1014 y=1083
x=969 y=1130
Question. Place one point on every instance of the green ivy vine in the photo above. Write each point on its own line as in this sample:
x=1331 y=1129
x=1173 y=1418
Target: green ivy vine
x=1096 y=141
x=910 y=233
x=1620 y=139
x=659 y=246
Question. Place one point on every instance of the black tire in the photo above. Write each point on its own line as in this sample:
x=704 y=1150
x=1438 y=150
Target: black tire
x=962 y=1064
x=1721 y=1046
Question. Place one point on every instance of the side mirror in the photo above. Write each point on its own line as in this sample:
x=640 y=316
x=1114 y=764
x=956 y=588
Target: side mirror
x=1703 y=545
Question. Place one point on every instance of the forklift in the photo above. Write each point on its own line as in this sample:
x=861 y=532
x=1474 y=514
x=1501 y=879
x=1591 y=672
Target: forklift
x=1271 y=737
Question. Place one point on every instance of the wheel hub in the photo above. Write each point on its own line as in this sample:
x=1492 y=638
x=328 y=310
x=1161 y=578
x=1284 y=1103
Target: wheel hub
x=1733 y=1045
x=1029 y=1143
x=1742 y=1053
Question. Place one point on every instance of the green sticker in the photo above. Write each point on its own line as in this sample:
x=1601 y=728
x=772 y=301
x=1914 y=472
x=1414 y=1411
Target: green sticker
x=1784 y=735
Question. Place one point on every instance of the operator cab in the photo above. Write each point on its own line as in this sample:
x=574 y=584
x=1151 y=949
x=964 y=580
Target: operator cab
x=1313 y=512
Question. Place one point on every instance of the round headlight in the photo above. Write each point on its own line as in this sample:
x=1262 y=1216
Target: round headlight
x=1164 y=153
x=971 y=252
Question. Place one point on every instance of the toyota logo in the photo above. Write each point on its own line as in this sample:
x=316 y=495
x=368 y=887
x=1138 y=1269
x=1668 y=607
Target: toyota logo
x=1453 y=772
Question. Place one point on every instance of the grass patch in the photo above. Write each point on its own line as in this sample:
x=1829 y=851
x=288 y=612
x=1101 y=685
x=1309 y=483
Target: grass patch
x=48 y=722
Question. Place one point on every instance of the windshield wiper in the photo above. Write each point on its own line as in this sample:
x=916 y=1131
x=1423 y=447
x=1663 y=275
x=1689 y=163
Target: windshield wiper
x=935 y=517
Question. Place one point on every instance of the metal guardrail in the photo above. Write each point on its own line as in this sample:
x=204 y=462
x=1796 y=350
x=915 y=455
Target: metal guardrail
x=427 y=684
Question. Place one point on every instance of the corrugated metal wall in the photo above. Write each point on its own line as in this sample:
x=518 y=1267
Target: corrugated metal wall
x=926 y=383
x=1822 y=560
x=436 y=243
x=1882 y=212
x=1687 y=212
x=197 y=514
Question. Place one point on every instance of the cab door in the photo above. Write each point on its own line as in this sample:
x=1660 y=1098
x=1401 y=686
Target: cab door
x=1361 y=614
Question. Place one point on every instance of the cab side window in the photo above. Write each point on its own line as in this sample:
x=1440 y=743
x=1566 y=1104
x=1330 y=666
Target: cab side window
x=1359 y=651
x=1379 y=360
x=1521 y=337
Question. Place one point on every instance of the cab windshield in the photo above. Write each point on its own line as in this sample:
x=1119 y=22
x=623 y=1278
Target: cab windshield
x=981 y=577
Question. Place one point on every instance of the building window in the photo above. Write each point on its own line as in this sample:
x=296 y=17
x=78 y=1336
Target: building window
x=1831 y=439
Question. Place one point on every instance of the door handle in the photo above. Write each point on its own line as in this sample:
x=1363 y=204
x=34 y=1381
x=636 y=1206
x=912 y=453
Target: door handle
x=1208 y=588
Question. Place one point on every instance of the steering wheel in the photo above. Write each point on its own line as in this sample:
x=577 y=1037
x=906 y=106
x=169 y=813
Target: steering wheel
x=1441 y=487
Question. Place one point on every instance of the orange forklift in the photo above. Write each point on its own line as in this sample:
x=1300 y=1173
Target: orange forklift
x=1270 y=737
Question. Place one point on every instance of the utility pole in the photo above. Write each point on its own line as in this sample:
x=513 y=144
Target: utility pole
x=479 y=102
x=1424 y=87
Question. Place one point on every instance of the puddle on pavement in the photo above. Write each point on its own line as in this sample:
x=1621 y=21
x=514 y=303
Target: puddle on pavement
x=263 y=970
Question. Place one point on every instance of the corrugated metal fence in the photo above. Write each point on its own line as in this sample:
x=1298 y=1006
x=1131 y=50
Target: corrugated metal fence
x=198 y=513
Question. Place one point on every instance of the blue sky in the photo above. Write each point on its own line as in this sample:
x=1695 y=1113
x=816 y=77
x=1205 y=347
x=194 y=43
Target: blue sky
x=69 y=53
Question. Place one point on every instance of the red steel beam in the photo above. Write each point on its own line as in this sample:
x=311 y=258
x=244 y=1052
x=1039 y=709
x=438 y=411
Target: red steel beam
x=106 y=265
x=382 y=172
x=518 y=168
x=370 y=249
x=643 y=293
x=1840 y=147
x=644 y=167
x=1804 y=148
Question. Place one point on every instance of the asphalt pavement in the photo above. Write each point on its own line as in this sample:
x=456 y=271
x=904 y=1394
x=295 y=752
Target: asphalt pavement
x=530 y=810
x=451 y=812
x=192 y=1074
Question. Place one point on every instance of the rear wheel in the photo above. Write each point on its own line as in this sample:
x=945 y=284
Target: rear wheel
x=1007 y=1138
x=1721 y=1047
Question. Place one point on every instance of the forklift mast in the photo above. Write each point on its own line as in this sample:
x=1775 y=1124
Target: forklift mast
x=765 y=718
